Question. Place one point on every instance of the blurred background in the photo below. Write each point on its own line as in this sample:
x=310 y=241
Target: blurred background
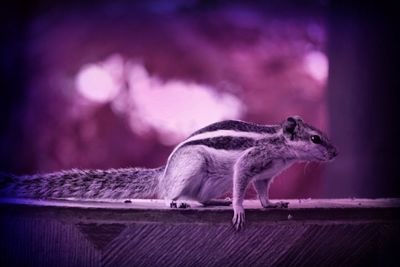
x=111 y=84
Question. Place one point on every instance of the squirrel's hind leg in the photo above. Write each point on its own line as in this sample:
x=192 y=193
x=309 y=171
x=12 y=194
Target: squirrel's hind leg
x=183 y=177
x=174 y=204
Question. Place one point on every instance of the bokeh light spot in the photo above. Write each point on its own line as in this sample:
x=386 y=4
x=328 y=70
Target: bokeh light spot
x=97 y=84
x=316 y=64
x=176 y=108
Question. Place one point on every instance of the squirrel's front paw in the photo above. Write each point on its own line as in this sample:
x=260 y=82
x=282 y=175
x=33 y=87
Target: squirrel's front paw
x=279 y=204
x=238 y=218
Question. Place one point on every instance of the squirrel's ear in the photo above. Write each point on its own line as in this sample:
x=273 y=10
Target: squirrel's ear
x=290 y=124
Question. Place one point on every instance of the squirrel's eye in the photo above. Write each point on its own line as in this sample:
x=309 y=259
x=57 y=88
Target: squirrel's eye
x=316 y=139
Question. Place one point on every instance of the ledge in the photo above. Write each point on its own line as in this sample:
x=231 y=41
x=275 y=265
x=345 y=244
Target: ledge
x=148 y=233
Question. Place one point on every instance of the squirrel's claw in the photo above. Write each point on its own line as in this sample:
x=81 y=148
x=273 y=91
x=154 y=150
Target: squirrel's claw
x=238 y=219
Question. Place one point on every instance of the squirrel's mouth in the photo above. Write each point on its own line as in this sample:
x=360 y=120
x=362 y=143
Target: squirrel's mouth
x=334 y=153
x=332 y=156
x=328 y=156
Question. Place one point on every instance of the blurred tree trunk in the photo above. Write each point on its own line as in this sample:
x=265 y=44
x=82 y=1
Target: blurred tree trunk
x=363 y=49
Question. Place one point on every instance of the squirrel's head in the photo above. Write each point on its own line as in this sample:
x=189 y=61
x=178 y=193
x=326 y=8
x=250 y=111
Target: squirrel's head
x=307 y=142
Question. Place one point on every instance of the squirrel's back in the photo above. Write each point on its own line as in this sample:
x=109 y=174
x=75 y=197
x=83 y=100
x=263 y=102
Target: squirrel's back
x=84 y=184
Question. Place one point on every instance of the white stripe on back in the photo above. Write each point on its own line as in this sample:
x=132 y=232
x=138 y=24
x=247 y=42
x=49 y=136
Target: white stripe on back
x=219 y=133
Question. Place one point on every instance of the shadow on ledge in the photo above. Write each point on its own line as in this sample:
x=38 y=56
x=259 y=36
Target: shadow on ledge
x=338 y=232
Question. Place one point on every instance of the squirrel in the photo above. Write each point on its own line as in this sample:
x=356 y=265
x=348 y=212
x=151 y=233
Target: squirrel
x=220 y=158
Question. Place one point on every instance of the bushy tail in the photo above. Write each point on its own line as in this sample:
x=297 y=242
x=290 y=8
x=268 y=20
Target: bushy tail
x=7 y=180
x=84 y=184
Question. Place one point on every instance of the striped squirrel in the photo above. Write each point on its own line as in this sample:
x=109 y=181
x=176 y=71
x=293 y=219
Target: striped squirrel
x=223 y=157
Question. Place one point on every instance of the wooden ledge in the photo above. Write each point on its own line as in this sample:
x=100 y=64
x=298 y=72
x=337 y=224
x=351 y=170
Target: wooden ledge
x=155 y=210
x=311 y=232
x=158 y=204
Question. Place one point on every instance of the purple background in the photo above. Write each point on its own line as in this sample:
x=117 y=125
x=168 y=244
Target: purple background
x=119 y=83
